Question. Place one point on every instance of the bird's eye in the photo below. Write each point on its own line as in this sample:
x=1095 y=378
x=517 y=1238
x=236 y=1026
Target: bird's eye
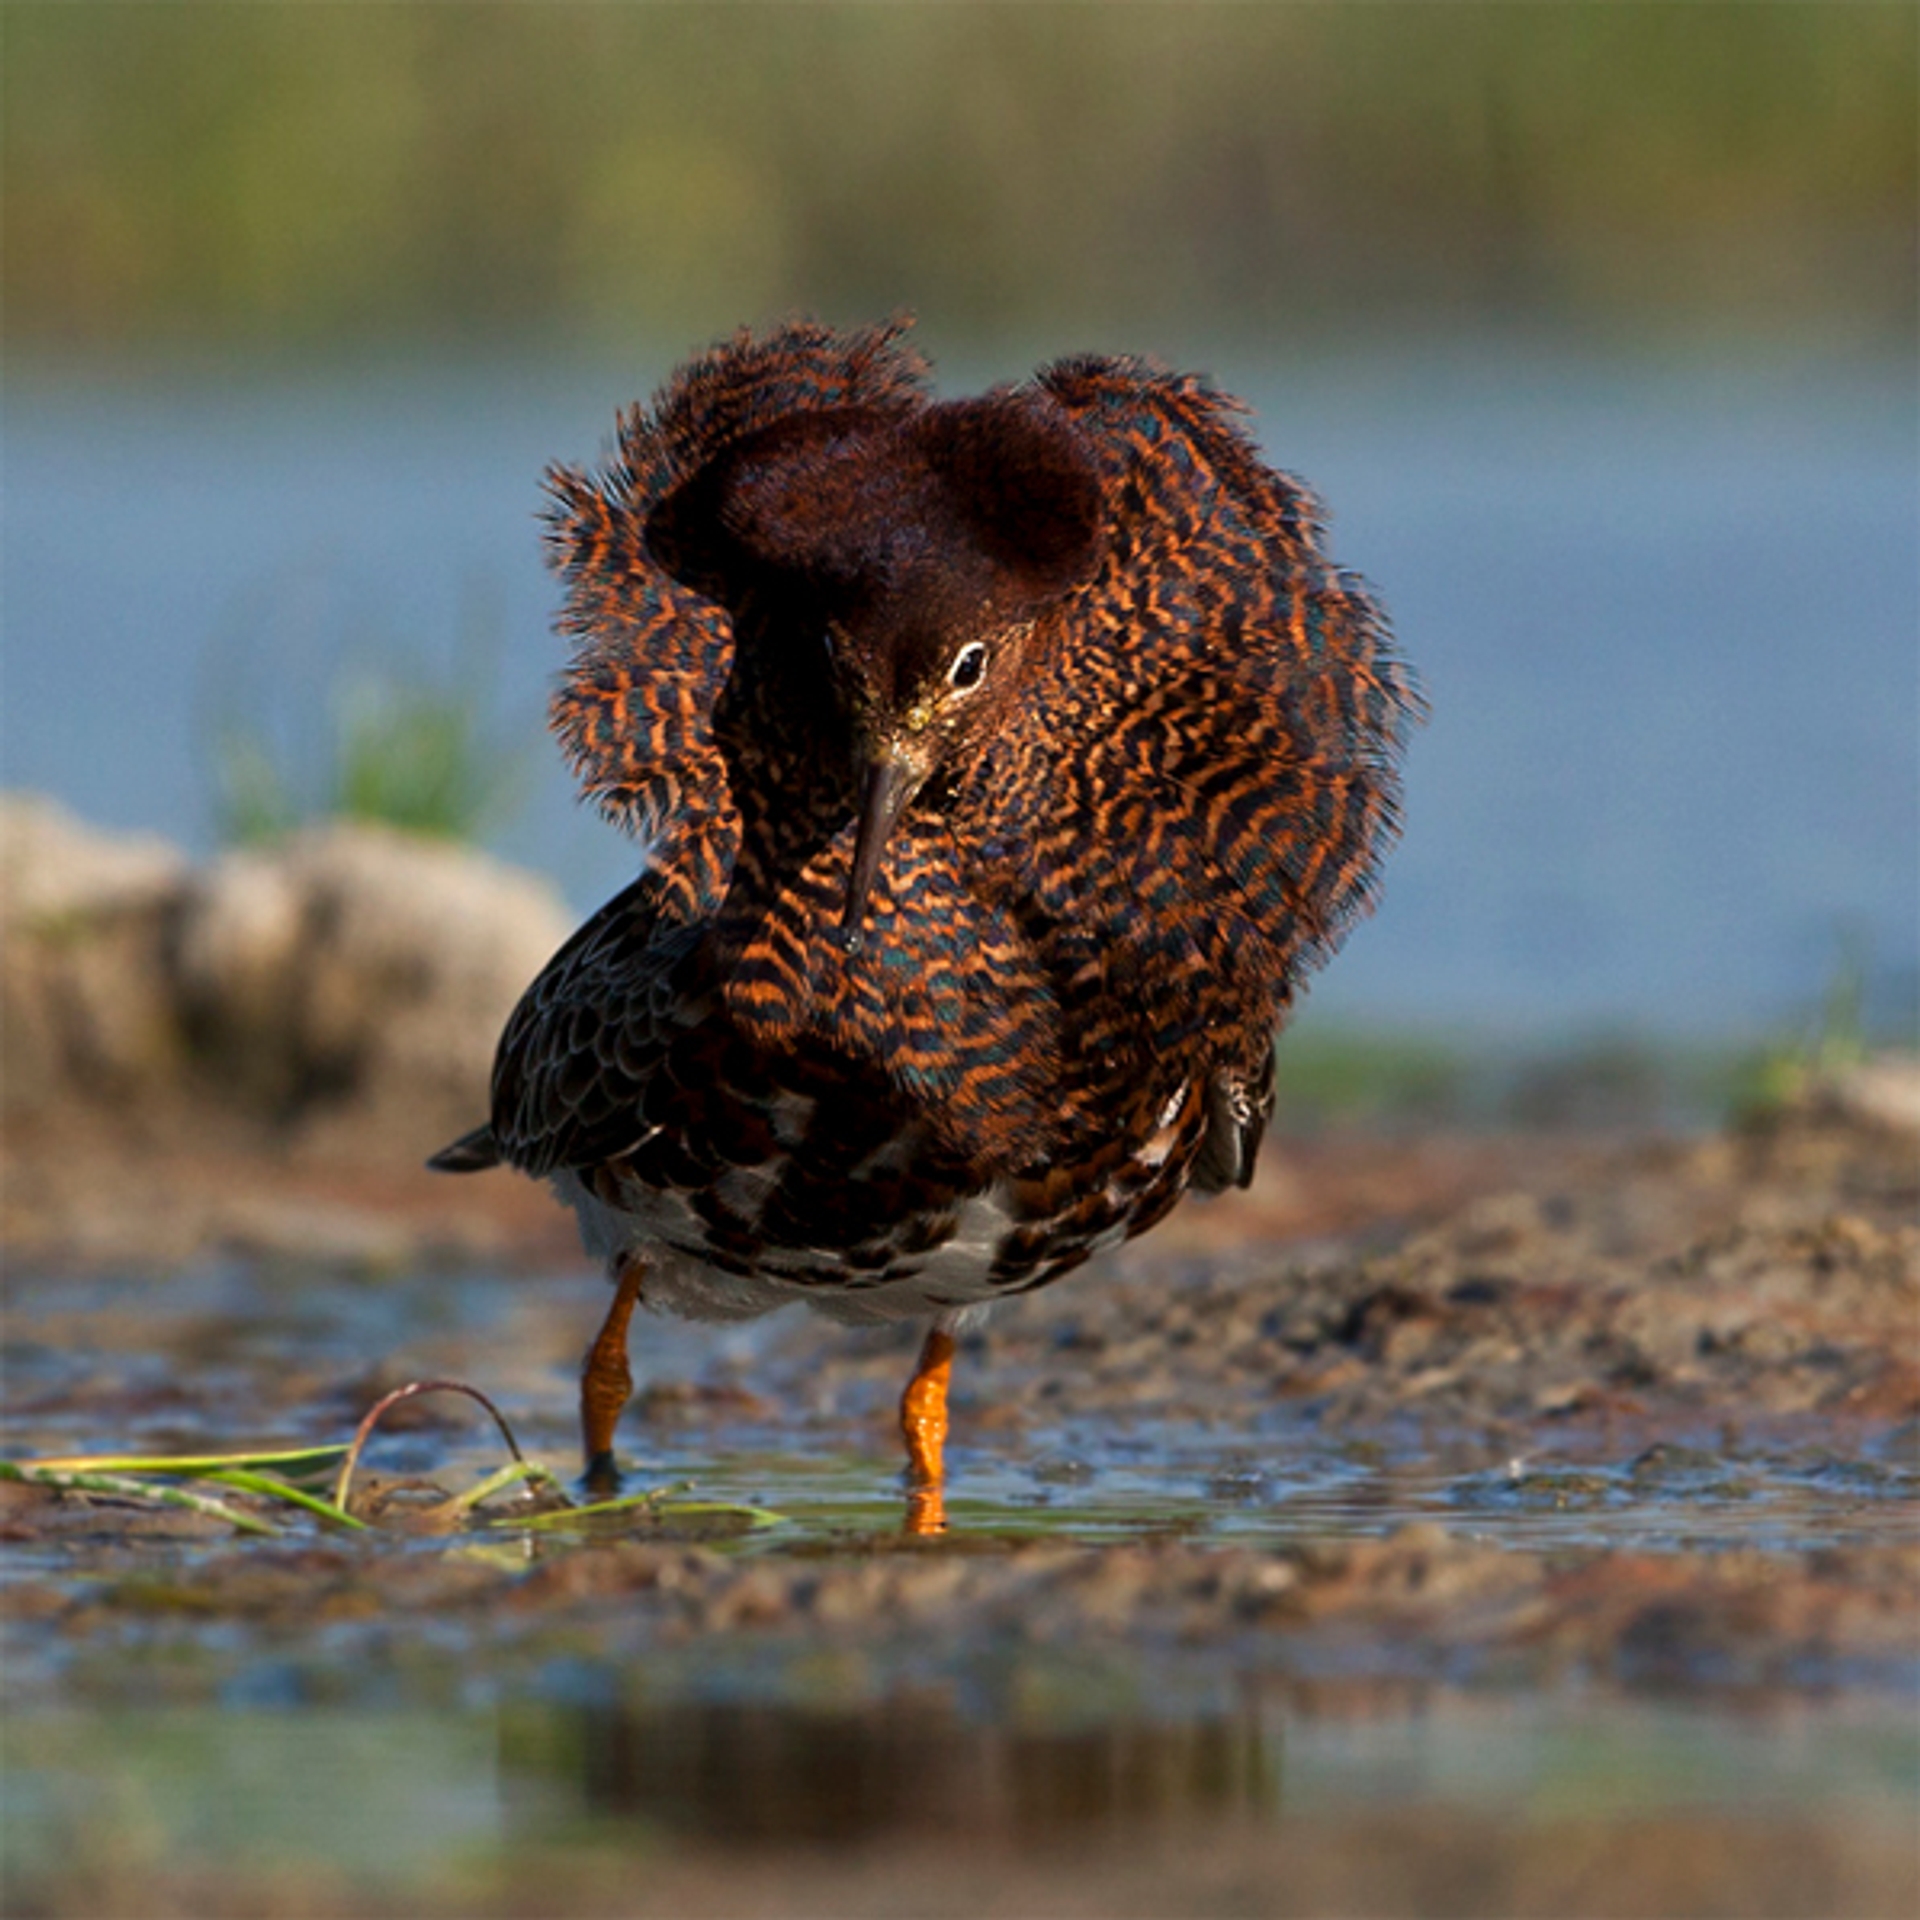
x=829 y=644
x=969 y=666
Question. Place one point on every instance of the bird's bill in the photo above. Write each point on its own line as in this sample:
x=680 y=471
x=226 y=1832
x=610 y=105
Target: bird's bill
x=891 y=782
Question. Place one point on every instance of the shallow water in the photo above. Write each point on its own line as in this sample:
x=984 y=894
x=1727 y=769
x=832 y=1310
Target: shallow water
x=236 y=1356
x=1027 y=1760
x=197 y=1724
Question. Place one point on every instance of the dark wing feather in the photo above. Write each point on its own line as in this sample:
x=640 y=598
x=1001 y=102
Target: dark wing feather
x=474 y=1152
x=574 y=1063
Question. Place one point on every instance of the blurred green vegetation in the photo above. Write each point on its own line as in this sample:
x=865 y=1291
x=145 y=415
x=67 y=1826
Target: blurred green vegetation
x=1334 y=1073
x=1337 y=1075
x=1835 y=1038
x=408 y=755
x=391 y=737
x=323 y=174
x=1345 y=1075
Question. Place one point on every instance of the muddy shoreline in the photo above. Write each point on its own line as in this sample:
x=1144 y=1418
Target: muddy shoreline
x=1558 y=1325
x=1424 y=1434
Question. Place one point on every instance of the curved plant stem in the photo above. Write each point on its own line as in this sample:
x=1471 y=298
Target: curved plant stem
x=364 y=1432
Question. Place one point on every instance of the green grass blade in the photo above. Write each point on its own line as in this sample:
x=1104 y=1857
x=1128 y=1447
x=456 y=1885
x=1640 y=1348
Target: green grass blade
x=534 y=1475
x=126 y=1488
x=274 y=1488
x=297 y=1463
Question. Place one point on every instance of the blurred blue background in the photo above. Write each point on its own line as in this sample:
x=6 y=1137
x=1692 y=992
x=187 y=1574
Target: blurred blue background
x=1594 y=328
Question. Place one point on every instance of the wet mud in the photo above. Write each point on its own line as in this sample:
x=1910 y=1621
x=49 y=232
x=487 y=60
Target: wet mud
x=1443 y=1527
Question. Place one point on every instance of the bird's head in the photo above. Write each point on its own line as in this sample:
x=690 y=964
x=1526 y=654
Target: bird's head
x=919 y=553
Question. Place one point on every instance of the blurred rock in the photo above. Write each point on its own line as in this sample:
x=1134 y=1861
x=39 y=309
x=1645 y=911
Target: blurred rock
x=357 y=978
x=1882 y=1092
x=53 y=868
x=344 y=988
x=85 y=999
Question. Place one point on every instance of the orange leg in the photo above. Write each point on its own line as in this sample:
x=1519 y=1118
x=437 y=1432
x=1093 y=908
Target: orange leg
x=606 y=1381
x=923 y=1424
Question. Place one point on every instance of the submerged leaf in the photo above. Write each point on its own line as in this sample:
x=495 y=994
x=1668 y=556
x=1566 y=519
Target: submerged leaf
x=655 y=1505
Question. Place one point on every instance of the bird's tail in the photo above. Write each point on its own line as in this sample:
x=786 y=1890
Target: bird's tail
x=472 y=1153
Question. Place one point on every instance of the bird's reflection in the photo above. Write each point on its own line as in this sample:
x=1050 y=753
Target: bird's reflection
x=783 y=1775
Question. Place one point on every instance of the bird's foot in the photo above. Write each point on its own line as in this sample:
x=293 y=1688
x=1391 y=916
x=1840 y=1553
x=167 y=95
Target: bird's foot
x=923 y=1425
x=926 y=1512
x=601 y=1479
